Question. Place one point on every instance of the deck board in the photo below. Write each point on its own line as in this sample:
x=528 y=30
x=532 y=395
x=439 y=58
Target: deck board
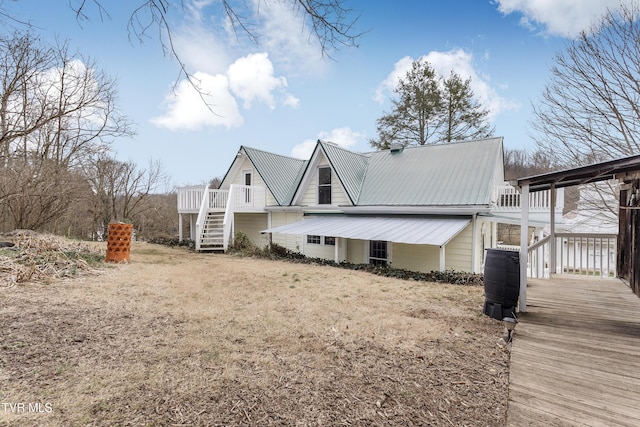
x=575 y=357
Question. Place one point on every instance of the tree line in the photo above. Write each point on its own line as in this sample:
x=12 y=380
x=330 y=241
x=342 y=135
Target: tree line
x=58 y=118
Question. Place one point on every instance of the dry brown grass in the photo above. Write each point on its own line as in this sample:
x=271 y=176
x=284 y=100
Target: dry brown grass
x=179 y=338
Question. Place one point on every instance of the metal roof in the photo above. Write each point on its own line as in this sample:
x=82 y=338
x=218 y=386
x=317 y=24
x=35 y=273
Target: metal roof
x=461 y=173
x=349 y=167
x=455 y=174
x=436 y=231
x=281 y=174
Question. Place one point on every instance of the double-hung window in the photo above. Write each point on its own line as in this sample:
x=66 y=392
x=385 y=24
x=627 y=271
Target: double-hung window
x=324 y=186
x=378 y=254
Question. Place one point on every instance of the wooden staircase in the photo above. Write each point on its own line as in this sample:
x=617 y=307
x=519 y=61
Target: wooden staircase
x=212 y=238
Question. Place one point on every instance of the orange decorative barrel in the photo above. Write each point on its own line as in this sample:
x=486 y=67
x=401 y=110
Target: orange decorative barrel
x=119 y=242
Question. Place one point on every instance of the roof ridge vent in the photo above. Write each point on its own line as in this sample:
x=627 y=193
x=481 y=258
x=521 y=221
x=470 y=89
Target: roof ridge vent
x=396 y=148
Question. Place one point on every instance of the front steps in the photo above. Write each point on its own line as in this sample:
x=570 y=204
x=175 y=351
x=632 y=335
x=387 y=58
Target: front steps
x=212 y=237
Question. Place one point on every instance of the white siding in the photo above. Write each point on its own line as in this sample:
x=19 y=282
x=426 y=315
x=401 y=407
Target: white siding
x=251 y=224
x=289 y=241
x=458 y=251
x=356 y=251
x=319 y=251
x=424 y=258
x=338 y=195
x=257 y=181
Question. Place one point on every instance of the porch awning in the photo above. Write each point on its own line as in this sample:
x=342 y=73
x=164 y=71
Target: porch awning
x=437 y=231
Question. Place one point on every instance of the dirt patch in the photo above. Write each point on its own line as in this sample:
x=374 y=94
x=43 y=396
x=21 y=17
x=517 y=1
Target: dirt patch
x=179 y=338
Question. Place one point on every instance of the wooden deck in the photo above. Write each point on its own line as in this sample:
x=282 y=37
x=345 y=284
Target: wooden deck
x=575 y=357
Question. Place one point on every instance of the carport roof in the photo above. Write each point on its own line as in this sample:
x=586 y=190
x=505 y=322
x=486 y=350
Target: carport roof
x=436 y=231
x=582 y=175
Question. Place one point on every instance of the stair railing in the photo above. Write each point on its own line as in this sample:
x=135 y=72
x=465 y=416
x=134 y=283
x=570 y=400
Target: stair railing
x=227 y=223
x=202 y=217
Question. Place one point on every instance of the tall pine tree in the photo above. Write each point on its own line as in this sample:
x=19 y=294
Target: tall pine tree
x=429 y=109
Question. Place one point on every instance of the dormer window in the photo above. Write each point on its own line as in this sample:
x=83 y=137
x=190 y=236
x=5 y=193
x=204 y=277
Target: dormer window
x=324 y=186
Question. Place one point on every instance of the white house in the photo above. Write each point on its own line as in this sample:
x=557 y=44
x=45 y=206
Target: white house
x=426 y=208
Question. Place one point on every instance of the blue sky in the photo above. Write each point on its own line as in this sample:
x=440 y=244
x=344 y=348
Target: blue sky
x=281 y=96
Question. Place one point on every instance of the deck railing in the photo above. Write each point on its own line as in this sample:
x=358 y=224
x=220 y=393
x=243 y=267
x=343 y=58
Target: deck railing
x=507 y=198
x=190 y=198
x=246 y=198
x=218 y=199
x=575 y=253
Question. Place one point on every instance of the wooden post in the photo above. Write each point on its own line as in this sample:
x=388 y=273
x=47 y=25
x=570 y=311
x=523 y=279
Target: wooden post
x=524 y=248
x=552 y=237
x=443 y=264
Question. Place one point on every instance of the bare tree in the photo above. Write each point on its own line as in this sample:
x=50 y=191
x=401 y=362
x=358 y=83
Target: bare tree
x=56 y=112
x=120 y=189
x=36 y=192
x=54 y=105
x=519 y=163
x=589 y=108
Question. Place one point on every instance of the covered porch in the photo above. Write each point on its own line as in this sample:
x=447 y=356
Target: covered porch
x=626 y=264
x=575 y=358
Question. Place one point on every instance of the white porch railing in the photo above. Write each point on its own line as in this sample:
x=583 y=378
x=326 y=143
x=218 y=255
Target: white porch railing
x=575 y=253
x=190 y=198
x=246 y=198
x=507 y=198
x=202 y=215
x=202 y=200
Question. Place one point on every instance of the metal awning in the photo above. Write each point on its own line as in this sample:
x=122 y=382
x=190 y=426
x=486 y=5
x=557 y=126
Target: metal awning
x=437 y=231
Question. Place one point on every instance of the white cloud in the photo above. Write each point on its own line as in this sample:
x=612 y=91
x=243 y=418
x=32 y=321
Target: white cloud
x=344 y=137
x=185 y=108
x=251 y=79
x=200 y=44
x=286 y=37
x=199 y=49
x=565 y=18
x=458 y=61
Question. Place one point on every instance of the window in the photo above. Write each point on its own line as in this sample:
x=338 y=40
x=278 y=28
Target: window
x=246 y=190
x=314 y=240
x=378 y=252
x=320 y=240
x=324 y=186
